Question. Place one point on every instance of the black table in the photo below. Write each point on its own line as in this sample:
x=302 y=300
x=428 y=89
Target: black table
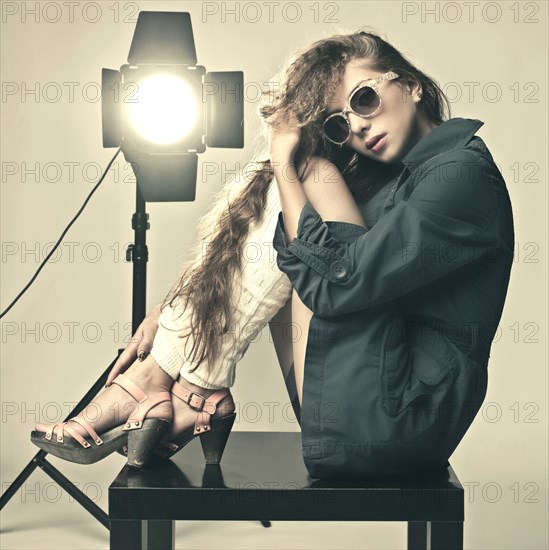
x=262 y=477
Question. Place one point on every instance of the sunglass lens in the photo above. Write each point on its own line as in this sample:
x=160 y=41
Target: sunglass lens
x=337 y=129
x=365 y=101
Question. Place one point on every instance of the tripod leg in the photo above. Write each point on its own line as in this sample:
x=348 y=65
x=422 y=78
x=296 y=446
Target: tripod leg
x=39 y=460
x=21 y=478
x=77 y=494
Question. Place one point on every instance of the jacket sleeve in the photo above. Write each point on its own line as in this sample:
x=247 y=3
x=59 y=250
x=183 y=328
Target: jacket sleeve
x=445 y=222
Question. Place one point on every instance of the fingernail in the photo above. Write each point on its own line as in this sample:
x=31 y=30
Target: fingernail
x=141 y=355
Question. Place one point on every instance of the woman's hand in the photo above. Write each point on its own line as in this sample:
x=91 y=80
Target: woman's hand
x=140 y=344
x=285 y=137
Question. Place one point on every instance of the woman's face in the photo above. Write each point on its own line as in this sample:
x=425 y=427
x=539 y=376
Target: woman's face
x=398 y=118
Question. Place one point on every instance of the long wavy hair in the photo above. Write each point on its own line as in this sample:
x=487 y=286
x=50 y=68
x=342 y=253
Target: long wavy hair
x=304 y=87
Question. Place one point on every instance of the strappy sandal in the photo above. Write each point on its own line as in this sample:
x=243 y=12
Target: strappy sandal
x=139 y=434
x=213 y=432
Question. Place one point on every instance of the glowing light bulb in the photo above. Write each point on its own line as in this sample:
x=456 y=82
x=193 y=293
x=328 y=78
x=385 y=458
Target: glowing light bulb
x=163 y=109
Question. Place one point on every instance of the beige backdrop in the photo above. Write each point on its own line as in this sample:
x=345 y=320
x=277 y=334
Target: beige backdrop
x=491 y=59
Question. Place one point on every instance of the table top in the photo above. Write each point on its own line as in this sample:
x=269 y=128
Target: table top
x=264 y=473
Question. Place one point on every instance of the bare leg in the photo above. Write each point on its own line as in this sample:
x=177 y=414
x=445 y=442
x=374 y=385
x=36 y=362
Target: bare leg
x=283 y=333
x=301 y=317
x=114 y=405
x=333 y=200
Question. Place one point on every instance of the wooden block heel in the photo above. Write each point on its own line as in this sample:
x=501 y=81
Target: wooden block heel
x=142 y=442
x=212 y=432
x=213 y=441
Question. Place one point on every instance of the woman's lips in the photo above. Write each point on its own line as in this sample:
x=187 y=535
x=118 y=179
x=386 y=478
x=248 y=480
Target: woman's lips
x=378 y=143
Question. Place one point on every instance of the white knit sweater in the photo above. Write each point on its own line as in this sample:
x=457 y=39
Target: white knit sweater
x=263 y=290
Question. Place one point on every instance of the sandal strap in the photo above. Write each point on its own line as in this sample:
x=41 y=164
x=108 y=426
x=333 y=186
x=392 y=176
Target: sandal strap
x=197 y=401
x=138 y=415
x=145 y=402
x=206 y=407
x=63 y=426
x=77 y=436
x=88 y=428
x=131 y=387
x=59 y=426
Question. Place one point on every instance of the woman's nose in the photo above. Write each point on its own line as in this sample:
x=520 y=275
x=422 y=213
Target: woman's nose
x=358 y=124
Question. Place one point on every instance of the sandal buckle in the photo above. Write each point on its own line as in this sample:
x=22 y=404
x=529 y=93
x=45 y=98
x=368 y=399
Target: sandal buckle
x=188 y=401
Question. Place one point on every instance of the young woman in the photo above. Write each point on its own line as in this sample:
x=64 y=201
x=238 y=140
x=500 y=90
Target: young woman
x=394 y=240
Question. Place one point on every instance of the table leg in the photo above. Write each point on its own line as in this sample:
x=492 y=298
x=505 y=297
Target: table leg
x=125 y=535
x=159 y=534
x=417 y=535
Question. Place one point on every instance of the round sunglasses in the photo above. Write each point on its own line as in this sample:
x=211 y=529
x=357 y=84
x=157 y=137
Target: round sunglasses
x=364 y=101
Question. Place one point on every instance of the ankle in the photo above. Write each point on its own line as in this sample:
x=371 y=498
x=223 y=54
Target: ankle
x=148 y=372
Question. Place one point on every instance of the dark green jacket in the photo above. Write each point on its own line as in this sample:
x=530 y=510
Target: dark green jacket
x=405 y=311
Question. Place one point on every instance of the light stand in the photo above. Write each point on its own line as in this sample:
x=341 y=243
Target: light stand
x=162 y=40
x=138 y=254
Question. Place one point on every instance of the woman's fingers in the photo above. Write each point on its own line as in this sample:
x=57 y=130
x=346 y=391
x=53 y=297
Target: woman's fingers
x=146 y=343
x=284 y=136
x=149 y=327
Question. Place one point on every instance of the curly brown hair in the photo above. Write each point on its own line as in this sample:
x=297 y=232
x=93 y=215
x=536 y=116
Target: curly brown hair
x=305 y=85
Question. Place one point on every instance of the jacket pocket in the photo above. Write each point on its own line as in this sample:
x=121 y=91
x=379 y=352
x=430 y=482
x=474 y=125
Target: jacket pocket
x=415 y=361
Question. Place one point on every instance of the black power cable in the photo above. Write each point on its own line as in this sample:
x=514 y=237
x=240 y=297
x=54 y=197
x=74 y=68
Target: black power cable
x=62 y=235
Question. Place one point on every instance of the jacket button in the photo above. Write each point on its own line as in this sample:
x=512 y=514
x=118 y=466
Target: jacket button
x=338 y=269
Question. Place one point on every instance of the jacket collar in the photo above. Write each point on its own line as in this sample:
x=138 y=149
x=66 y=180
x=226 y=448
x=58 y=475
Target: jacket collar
x=446 y=136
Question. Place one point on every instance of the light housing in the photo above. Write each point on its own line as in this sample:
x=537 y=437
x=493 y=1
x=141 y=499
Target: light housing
x=210 y=112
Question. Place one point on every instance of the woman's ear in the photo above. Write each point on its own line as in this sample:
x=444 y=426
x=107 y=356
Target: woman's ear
x=412 y=88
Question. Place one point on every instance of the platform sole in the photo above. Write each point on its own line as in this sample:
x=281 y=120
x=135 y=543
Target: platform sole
x=72 y=451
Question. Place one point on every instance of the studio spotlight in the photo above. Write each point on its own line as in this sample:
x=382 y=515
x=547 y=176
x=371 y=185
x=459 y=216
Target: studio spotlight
x=163 y=109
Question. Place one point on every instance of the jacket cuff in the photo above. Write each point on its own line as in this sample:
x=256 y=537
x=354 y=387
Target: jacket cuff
x=318 y=244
